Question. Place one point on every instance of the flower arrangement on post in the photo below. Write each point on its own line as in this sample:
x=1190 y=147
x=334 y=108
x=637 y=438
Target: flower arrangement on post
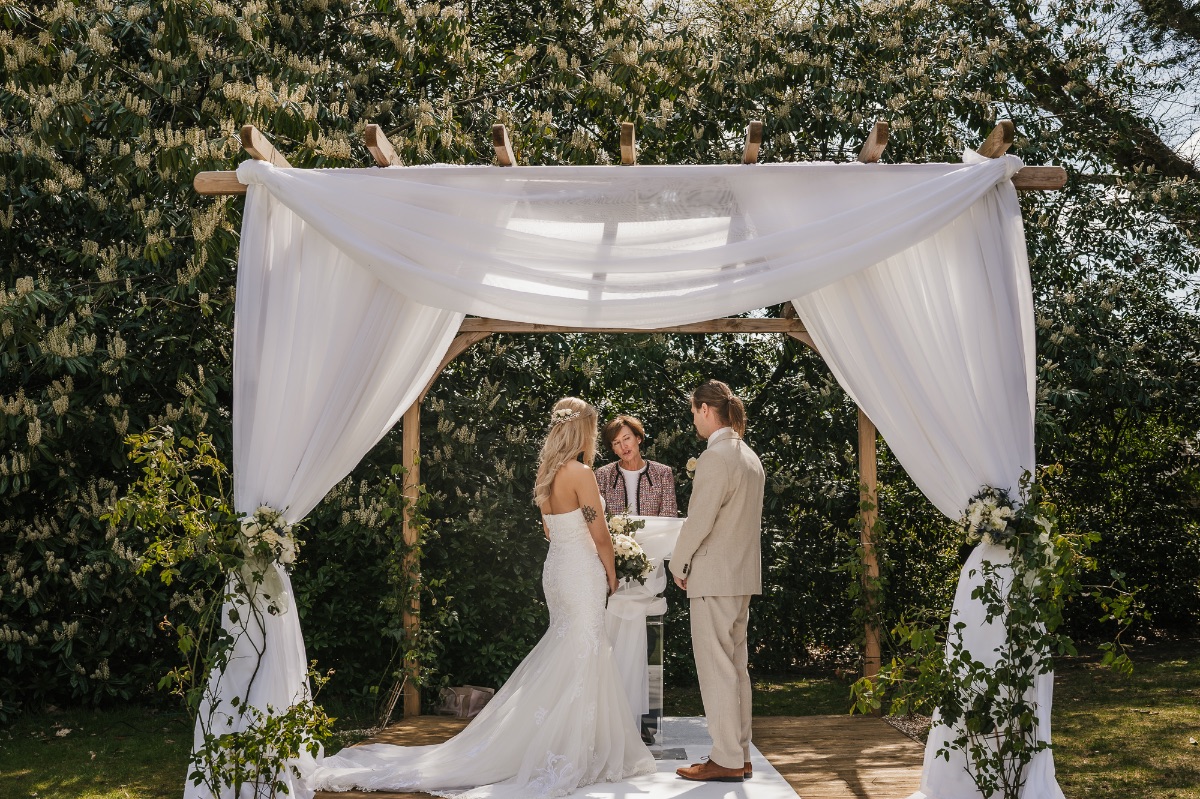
x=181 y=503
x=631 y=560
x=991 y=708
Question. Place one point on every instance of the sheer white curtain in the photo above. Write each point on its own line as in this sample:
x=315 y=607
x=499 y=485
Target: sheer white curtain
x=936 y=345
x=634 y=246
x=352 y=284
x=326 y=359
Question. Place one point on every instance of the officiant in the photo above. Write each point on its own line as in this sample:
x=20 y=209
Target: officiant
x=632 y=484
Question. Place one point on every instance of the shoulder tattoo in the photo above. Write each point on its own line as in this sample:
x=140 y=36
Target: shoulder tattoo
x=589 y=513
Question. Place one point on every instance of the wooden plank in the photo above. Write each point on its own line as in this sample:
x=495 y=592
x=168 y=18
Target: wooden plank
x=381 y=149
x=260 y=147
x=628 y=144
x=877 y=140
x=754 y=134
x=218 y=183
x=868 y=464
x=503 y=146
x=1000 y=139
x=733 y=325
x=821 y=757
x=1040 y=178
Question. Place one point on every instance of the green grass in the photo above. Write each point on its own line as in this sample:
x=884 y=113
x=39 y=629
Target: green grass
x=1127 y=737
x=1130 y=737
x=127 y=753
x=810 y=695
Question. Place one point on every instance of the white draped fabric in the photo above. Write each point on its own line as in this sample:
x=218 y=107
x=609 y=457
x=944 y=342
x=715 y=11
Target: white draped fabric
x=936 y=345
x=326 y=359
x=352 y=283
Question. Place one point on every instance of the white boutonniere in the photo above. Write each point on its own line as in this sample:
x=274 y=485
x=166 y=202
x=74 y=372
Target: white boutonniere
x=691 y=467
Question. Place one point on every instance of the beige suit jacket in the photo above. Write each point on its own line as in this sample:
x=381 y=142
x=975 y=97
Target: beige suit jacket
x=719 y=549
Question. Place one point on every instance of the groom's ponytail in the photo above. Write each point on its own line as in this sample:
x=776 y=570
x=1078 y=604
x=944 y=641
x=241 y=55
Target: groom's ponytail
x=729 y=407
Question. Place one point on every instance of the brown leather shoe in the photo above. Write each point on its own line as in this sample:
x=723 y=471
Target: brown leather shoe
x=748 y=770
x=709 y=771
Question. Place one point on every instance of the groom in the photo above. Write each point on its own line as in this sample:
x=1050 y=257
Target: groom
x=717 y=561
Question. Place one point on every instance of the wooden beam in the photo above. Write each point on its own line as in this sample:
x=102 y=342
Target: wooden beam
x=1001 y=138
x=731 y=325
x=754 y=133
x=381 y=149
x=410 y=615
x=1030 y=178
x=868 y=462
x=1040 y=178
x=462 y=342
x=628 y=144
x=804 y=338
x=217 y=183
x=260 y=147
x=877 y=140
x=503 y=146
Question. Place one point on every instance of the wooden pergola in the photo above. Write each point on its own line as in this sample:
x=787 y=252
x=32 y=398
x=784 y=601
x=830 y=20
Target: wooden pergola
x=475 y=329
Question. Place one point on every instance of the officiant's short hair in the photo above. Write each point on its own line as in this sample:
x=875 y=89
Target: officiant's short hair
x=613 y=429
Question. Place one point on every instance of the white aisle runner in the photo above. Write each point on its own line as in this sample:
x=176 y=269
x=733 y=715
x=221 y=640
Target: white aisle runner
x=691 y=736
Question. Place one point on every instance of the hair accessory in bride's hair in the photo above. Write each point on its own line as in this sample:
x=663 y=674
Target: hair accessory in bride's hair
x=562 y=415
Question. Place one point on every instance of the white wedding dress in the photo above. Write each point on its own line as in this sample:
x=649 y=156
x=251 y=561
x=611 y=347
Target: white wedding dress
x=561 y=721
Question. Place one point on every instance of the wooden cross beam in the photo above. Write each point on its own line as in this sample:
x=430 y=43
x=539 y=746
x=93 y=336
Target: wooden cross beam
x=380 y=148
x=875 y=144
x=1030 y=178
x=503 y=146
x=628 y=144
x=753 y=142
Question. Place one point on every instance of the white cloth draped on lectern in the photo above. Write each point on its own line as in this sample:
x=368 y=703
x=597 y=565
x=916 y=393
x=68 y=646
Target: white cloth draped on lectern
x=352 y=283
x=625 y=621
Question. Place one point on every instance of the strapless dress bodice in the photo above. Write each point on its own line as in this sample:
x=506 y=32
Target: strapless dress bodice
x=567 y=527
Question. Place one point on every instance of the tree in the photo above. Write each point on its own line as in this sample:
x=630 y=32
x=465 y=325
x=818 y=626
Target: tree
x=118 y=285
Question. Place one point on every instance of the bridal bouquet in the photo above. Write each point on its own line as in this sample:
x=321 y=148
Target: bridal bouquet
x=631 y=560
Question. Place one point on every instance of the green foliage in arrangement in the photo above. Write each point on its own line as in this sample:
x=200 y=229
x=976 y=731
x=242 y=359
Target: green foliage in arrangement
x=117 y=284
x=988 y=699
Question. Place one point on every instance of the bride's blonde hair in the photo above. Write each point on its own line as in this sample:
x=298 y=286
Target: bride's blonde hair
x=573 y=430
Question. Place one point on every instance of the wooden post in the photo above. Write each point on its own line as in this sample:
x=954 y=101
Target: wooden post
x=410 y=450
x=869 y=500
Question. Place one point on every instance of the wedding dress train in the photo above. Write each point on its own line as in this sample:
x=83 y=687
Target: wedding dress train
x=561 y=721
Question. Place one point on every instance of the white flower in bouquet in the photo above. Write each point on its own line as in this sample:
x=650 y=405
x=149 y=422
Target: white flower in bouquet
x=618 y=524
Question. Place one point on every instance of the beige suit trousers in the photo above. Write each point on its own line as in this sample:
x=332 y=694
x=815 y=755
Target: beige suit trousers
x=719 y=644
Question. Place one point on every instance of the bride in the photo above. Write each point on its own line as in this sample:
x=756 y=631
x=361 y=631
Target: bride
x=562 y=720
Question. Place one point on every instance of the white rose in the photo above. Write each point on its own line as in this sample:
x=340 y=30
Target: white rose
x=691 y=464
x=617 y=525
x=287 y=553
x=250 y=527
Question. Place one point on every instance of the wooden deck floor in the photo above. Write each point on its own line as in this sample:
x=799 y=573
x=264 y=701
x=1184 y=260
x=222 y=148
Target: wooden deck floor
x=821 y=757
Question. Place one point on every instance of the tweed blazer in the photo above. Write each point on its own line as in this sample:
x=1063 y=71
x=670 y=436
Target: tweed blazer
x=655 y=494
x=719 y=549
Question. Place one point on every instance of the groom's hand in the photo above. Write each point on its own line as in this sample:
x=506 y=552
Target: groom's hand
x=681 y=582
